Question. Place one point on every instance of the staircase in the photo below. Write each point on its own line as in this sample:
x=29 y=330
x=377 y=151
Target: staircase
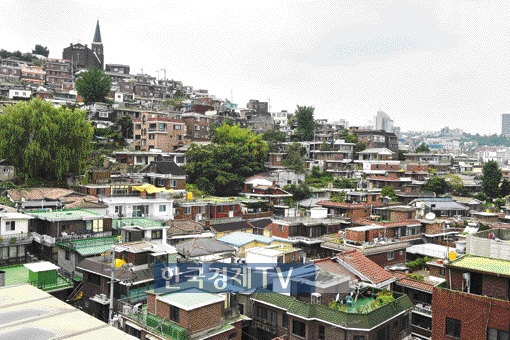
x=77 y=293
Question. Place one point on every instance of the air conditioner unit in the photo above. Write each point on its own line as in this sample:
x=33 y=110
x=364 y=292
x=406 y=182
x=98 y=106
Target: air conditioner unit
x=466 y=278
x=103 y=297
x=316 y=298
x=126 y=309
x=48 y=210
x=198 y=217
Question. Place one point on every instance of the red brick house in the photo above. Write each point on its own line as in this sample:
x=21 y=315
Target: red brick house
x=153 y=132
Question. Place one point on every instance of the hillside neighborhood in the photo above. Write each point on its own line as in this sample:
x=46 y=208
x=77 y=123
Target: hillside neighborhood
x=174 y=214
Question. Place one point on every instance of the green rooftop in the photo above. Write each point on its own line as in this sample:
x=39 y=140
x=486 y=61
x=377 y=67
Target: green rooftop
x=351 y=318
x=144 y=223
x=89 y=246
x=18 y=274
x=482 y=264
x=60 y=215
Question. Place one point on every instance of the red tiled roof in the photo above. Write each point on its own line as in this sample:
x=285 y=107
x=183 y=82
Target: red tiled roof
x=365 y=266
x=332 y=266
x=36 y=194
x=403 y=280
x=349 y=205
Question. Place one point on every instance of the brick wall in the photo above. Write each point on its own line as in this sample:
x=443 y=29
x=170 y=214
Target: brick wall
x=151 y=303
x=402 y=215
x=475 y=313
x=434 y=228
x=382 y=258
x=276 y=232
x=203 y=318
x=357 y=236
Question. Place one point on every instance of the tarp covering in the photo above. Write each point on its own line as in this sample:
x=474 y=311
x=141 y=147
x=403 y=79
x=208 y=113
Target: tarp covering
x=151 y=189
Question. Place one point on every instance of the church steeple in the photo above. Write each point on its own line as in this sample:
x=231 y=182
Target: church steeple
x=97 y=48
x=97 y=34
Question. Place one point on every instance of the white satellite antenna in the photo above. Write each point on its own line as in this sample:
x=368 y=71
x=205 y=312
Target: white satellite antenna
x=430 y=216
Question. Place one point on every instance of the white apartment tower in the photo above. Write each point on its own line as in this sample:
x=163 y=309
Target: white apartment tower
x=383 y=122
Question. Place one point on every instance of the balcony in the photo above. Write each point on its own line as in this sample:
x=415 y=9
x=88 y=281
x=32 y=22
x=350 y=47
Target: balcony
x=14 y=239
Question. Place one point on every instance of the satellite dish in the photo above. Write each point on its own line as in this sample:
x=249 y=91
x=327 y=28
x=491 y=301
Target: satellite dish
x=430 y=216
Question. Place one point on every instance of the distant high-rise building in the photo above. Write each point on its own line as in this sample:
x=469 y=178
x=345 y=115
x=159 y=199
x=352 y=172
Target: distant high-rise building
x=505 y=124
x=383 y=122
x=259 y=107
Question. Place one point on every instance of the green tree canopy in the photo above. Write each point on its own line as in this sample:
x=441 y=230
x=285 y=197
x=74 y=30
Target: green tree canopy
x=299 y=191
x=491 y=178
x=221 y=167
x=42 y=50
x=44 y=142
x=505 y=188
x=295 y=159
x=422 y=148
x=305 y=123
x=273 y=138
x=437 y=184
x=388 y=191
x=93 y=85
x=125 y=126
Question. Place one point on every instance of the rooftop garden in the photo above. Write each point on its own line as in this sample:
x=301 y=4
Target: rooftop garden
x=365 y=303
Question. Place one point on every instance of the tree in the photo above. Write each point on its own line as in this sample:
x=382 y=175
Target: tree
x=294 y=160
x=273 y=138
x=504 y=190
x=454 y=182
x=93 y=85
x=437 y=184
x=491 y=178
x=299 y=191
x=325 y=146
x=388 y=191
x=305 y=123
x=221 y=167
x=423 y=148
x=44 y=142
x=125 y=126
x=39 y=49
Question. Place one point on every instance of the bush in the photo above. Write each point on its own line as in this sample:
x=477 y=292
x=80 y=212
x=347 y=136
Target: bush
x=419 y=263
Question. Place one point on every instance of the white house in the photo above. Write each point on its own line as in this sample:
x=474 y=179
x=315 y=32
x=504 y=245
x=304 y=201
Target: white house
x=160 y=209
x=19 y=93
x=13 y=223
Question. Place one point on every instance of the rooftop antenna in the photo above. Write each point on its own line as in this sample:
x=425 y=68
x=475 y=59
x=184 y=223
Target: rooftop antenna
x=164 y=72
x=158 y=73
x=142 y=70
x=232 y=95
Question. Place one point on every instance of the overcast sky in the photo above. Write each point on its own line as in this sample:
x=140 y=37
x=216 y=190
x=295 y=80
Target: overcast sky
x=427 y=64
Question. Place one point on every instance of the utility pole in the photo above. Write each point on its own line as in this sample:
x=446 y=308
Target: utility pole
x=164 y=73
x=232 y=95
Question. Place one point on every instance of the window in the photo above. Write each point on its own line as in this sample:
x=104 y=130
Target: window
x=162 y=208
x=280 y=227
x=94 y=279
x=174 y=313
x=89 y=226
x=391 y=255
x=156 y=235
x=405 y=322
x=442 y=271
x=103 y=114
x=202 y=209
x=138 y=126
x=241 y=308
x=197 y=128
x=173 y=184
x=496 y=334
x=268 y=315
x=322 y=332
x=161 y=182
x=177 y=127
x=97 y=226
x=10 y=225
x=453 y=327
x=187 y=210
x=298 y=328
x=151 y=136
x=358 y=337
x=68 y=255
x=152 y=126
x=118 y=209
x=285 y=320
